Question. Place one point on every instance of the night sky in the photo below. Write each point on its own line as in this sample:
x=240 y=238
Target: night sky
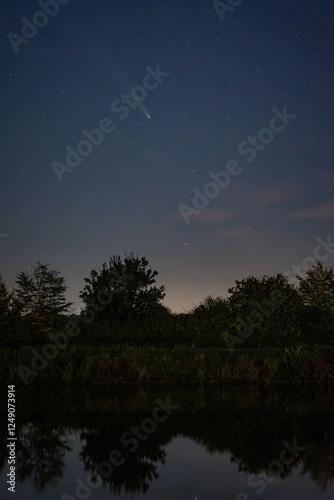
x=194 y=92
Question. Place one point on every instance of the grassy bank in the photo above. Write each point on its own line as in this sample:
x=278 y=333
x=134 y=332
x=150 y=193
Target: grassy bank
x=122 y=364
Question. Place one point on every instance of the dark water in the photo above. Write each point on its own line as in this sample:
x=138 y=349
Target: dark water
x=182 y=443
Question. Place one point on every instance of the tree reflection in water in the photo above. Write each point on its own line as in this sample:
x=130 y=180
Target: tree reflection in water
x=242 y=423
x=40 y=453
x=139 y=468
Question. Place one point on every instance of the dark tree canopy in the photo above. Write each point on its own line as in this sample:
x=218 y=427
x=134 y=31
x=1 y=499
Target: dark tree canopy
x=317 y=288
x=269 y=303
x=121 y=288
x=211 y=306
x=253 y=289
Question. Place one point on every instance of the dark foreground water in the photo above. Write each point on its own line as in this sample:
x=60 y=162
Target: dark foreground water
x=204 y=444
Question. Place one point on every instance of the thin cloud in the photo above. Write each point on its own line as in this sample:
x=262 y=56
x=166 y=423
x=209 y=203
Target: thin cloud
x=327 y=176
x=215 y=214
x=325 y=211
x=265 y=197
x=243 y=233
x=242 y=203
x=212 y=214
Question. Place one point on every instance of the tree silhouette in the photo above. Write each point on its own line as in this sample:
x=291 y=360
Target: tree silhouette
x=268 y=304
x=5 y=302
x=122 y=288
x=317 y=294
x=40 y=296
x=317 y=288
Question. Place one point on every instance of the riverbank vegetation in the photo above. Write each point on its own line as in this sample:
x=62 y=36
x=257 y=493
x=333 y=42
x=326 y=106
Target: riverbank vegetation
x=265 y=331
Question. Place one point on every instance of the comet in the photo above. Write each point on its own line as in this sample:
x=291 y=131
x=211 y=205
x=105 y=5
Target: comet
x=145 y=112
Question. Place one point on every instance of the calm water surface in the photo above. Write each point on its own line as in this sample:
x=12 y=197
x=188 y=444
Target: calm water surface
x=174 y=443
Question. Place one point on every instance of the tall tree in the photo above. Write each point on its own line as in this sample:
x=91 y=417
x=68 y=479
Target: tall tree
x=41 y=291
x=121 y=288
x=5 y=302
x=317 y=287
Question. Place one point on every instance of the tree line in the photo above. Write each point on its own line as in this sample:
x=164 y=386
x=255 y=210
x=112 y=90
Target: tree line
x=122 y=302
